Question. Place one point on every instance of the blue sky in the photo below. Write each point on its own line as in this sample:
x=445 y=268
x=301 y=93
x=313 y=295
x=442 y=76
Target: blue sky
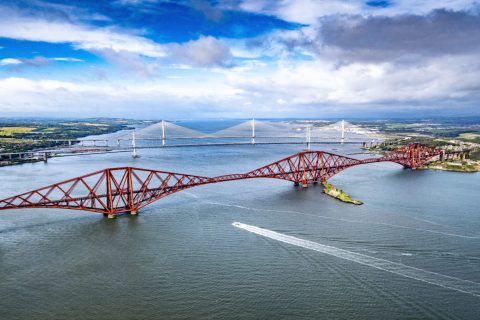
x=239 y=58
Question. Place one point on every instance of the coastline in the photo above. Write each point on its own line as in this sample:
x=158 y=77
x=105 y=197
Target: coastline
x=452 y=167
x=25 y=152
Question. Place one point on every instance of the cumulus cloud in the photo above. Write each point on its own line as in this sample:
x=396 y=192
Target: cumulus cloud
x=121 y=47
x=318 y=83
x=307 y=88
x=347 y=56
x=131 y=62
x=18 y=25
x=204 y=52
x=62 y=98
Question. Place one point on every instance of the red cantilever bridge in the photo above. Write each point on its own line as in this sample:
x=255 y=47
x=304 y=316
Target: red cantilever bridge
x=117 y=190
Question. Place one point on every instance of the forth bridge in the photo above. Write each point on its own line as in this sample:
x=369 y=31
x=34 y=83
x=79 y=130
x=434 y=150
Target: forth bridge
x=113 y=191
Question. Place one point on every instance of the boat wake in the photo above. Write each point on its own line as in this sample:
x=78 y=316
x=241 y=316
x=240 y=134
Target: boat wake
x=433 y=278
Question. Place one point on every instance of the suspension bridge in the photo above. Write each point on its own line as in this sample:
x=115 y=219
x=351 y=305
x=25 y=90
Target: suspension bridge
x=113 y=191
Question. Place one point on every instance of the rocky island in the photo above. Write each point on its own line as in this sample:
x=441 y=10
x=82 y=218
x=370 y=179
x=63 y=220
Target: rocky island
x=339 y=194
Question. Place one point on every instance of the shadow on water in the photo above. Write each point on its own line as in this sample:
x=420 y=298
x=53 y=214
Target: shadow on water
x=26 y=226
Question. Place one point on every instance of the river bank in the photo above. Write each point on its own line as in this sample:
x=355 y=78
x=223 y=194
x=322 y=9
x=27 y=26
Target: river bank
x=24 y=140
x=464 y=166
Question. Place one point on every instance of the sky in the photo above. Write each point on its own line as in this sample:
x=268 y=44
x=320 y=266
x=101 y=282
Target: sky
x=187 y=59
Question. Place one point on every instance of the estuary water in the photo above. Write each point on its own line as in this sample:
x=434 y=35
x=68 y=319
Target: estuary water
x=182 y=258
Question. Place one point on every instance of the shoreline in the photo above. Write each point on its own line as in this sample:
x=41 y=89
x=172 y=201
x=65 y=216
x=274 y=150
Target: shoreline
x=464 y=168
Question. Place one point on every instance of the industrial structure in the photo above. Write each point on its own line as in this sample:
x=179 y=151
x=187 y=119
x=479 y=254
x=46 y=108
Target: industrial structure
x=113 y=191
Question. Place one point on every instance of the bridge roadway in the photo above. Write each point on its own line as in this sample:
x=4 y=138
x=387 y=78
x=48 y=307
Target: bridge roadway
x=75 y=152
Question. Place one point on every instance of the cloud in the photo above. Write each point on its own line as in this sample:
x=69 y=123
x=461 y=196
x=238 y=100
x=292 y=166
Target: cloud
x=207 y=9
x=204 y=52
x=405 y=38
x=318 y=83
x=10 y=61
x=124 y=48
x=67 y=59
x=310 y=11
x=134 y=2
x=382 y=38
x=36 y=61
x=347 y=57
x=17 y=25
x=145 y=99
x=131 y=62
x=306 y=88
x=301 y=11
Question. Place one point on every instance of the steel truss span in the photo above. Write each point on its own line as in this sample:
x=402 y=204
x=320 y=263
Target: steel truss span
x=117 y=190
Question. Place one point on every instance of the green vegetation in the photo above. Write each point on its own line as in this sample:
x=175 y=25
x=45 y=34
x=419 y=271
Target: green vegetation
x=21 y=135
x=453 y=166
x=393 y=144
x=446 y=128
x=475 y=155
x=470 y=137
x=10 y=131
x=339 y=194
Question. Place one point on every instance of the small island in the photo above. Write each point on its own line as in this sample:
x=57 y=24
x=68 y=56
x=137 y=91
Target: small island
x=339 y=194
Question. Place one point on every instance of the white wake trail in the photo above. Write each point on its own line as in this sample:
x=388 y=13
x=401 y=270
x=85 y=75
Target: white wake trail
x=437 y=279
x=341 y=219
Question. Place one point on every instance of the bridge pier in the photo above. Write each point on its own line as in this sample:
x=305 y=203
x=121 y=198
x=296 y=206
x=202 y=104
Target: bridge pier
x=133 y=212
x=111 y=216
x=296 y=184
x=305 y=185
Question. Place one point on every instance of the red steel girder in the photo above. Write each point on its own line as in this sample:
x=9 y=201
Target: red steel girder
x=126 y=189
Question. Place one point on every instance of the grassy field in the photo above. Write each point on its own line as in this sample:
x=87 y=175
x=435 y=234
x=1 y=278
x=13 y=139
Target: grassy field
x=25 y=135
x=448 y=166
x=470 y=136
x=10 y=131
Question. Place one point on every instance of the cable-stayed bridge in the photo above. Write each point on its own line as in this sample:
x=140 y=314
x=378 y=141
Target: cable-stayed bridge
x=168 y=134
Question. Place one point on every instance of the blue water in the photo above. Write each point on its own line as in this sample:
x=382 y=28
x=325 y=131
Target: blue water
x=181 y=258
